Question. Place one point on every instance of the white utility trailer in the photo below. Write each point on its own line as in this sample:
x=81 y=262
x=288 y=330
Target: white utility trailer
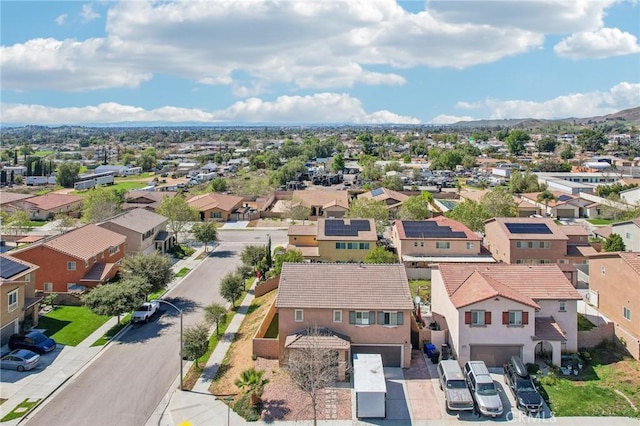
x=370 y=386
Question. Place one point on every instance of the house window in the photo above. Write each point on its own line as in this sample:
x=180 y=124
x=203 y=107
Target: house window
x=48 y=287
x=364 y=246
x=341 y=246
x=298 y=315
x=362 y=317
x=71 y=266
x=337 y=316
x=477 y=317
x=443 y=244
x=113 y=250
x=352 y=246
x=519 y=244
x=391 y=318
x=216 y=215
x=521 y=261
x=563 y=261
x=563 y=306
x=13 y=300
x=626 y=313
x=469 y=246
x=627 y=235
x=515 y=317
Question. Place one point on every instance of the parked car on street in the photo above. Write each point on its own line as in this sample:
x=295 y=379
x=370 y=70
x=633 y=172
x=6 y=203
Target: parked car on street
x=524 y=391
x=33 y=341
x=20 y=359
x=145 y=311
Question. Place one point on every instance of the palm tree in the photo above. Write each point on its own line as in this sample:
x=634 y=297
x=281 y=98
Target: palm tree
x=253 y=381
x=544 y=197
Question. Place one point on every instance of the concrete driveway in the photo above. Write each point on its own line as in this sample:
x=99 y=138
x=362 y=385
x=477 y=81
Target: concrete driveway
x=15 y=381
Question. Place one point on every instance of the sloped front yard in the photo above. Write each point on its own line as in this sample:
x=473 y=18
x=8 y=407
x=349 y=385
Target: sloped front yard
x=608 y=386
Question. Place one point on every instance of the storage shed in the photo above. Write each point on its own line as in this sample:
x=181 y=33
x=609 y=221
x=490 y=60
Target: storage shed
x=370 y=387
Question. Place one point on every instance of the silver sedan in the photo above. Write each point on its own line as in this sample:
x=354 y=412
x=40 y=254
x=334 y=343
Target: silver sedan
x=19 y=359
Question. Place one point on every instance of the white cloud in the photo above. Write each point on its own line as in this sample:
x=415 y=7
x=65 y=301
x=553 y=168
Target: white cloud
x=307 y=45
x=88 y=14
x=621 y=96
x=449 y=119
x=61 y=19
x=603 y=43
x=317 y=108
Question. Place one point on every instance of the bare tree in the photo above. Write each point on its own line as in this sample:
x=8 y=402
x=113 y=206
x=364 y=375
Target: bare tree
x=313 y=367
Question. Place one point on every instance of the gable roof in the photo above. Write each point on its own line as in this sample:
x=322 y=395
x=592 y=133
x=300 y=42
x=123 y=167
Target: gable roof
x=345 y=286
x=7 y=197
x=12 y=267
x=149 y=199
x=321 y=197
x=370 y=235
x=51 y=201
x=441 y=221
x=139 y=220
x=303 y=230
x=82 y=243
x=630 y=258
x=556 y=233
x=479 y=287
x=535 y=282
x=215 y=200
x=382 y=194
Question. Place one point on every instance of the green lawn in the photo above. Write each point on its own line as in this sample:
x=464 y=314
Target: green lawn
x=37 y=223
x=182 y=272
x=593 y=391
x=70 y=325
x=602 y=221
x=420 y=288
x=144 y=175
x=21 y=410
x=124 y=321
x=43 y=153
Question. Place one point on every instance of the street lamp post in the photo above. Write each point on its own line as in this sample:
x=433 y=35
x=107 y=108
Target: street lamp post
x=181 y=344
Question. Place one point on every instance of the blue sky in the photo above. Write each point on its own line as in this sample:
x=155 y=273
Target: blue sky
x=312 y=61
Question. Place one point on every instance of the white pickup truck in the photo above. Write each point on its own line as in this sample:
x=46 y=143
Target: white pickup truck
x=145 y=311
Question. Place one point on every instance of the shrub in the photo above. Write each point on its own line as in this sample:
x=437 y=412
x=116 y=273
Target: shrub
x=548 y=379
x=246 y=410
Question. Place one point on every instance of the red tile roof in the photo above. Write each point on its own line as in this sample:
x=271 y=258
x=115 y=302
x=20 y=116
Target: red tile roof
x=548 y=329
x=53 y=201
x=632 y=259
x=479 y=287
x=321 y=197
x=536 y=282
x=7 y=197
x=344 y=286
x=85 y=242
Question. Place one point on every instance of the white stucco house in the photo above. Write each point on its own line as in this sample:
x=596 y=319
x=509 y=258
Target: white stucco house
x=493 y=312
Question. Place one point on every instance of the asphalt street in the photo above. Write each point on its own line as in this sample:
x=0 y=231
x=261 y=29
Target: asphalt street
x=126 y=382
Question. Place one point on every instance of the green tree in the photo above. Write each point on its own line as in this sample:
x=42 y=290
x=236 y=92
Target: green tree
x=516 y=140
x=613 y=243
x=567 y=152
x=592 y=140
x=100 y=204
x=547 y=144
x=267 y=253
x=219 y=184
x=205 y=232
x=470 y=213
x=252 y=254
x=195 y=342
x=146 y=161
x=215 y=313
x=178 y=214
x=380 y=255
x=67 y=174
x=231 y=287
x=115 y=299
x=19 y=222
x=64 y=222
x=393 y=183
x=155 y=269
x=252 y=381
x=415 y=208
x=288 y=256
x=365 y=208
x=545 y=197
x=338 y=163
x=499 y=203
x=523 y=182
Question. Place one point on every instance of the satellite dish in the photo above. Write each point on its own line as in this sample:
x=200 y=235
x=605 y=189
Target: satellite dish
x=417 y=300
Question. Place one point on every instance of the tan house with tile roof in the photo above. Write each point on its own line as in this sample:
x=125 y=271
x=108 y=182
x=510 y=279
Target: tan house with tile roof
x=45 y=207
x=216 y=206
x=322 y=203
x=365 y=308
x=145 y=199
x=392 y=199
x=7 y=200
x=146 y=231
x=334 y=240
x=18 y=299
x=83 y=257
x=493 y=312
x=423 y=243
x=565 y=205
x=525 y=207
x=614 y=287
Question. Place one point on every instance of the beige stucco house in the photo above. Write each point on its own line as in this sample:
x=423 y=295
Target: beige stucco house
x=493 y=312
x=18 y=299
x=145 y=230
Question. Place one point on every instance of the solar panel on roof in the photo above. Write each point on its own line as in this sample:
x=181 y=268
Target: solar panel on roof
x=565 y=198
x=430 y=229
x=528 y=228
x=376 y=192
x=9 y=268
x=337 y=227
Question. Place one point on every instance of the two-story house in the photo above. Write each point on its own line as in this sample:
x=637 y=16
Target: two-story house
x=334 y=240
x=146 y=231
x=83 y=257
x=18 y=300
x=629 y=230
x=493 y=312
x=216 y=206
x=423 y=243
x=366 y=308
x=614 y=287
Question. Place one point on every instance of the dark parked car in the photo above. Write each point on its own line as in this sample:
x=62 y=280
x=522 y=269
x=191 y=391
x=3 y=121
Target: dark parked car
x=520 y=383
x=33 y=341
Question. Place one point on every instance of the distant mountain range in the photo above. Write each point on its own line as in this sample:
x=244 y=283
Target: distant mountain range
x=630 y=116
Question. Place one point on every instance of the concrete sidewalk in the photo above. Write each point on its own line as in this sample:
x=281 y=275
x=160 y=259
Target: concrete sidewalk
x=69 y=360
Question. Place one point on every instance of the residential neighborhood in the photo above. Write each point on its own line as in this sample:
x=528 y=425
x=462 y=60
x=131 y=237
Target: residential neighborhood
x=366 y=259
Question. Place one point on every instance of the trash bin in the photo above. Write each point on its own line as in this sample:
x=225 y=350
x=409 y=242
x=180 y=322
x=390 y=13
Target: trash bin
x=435 y=356
x=444 y=349
x=429 y=348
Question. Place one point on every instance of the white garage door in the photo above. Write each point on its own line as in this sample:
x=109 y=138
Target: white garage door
x=495 y=355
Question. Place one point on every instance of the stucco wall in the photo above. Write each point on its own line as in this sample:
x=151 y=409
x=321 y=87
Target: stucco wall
x=591 y=338
x=303 y=240
x=567 y=320
x=329 y=253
